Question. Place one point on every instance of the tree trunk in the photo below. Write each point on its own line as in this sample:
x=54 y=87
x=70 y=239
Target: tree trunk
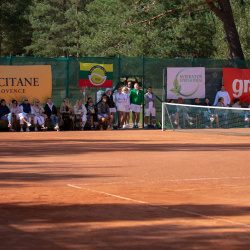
x=1 y=33
x=224 y=12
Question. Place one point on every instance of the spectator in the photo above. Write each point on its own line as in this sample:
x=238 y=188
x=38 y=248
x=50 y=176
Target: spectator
x=240 y=113
x=5 y=114
x=103 y=113
x=220 y=112
x=120 y=104
x=130 y=87
x=91 y=113
x=183 y=112
x=174 y=115
x=51 y=111
x=111 y=104
x=150 y=98
x=66 y=111
x=26 y=114
x=127 y=106
x=209 y=117
x=39 y=115
x=222 y=93
x=15 y=110
x=136 y=102
x=81 y=113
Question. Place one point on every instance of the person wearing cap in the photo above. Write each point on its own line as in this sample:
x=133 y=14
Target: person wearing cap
x=26 y=114
x=136 y=102
x=111 y=104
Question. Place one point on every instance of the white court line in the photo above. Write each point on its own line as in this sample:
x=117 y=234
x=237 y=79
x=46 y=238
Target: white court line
x=164 y=207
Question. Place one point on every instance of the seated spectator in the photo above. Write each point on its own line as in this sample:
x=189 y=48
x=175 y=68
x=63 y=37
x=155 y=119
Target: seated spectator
x=15 y=110
x=81 y=113
x=103 y=113
x=120 y=104
x=240 y=113
x=5 y=114
x=222 y=114
x=111 y=104
x=91 y=113
x=209 y=117
x=174 y=115
x=197 y=101
x=66 y=111
x=183 y=112
x=39 y=115
x=26 y=114
x=51 y=111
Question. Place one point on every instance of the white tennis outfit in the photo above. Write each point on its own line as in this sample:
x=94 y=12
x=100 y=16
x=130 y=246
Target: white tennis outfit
x=150 y=109
x=120 y=102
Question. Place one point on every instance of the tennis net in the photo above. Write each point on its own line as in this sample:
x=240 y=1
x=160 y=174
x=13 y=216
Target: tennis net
x=182 y=116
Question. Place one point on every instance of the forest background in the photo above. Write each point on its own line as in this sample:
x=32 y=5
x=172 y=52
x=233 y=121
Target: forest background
x=108 y=28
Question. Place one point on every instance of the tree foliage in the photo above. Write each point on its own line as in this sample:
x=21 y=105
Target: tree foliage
x=153 y=28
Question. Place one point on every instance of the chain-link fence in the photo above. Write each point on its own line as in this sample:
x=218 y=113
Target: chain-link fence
x=149 y=71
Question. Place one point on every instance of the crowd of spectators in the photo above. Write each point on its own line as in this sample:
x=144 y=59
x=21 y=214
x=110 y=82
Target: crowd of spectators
x=127 y=99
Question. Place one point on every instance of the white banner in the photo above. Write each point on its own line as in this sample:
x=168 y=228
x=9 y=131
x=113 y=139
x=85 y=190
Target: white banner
x=187 y=83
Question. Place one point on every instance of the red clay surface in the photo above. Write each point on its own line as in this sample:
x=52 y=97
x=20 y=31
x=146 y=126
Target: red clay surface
x=124 y=190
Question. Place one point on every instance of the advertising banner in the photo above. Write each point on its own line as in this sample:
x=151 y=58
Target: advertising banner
x=237 y=83
x=17 y=82
x=187 y=83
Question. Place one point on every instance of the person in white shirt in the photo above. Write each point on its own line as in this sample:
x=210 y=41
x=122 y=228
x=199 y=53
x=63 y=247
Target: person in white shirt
x=120 y=104
x=222 y=93
x=150 y=98
x=81 y=113
x=127 y=106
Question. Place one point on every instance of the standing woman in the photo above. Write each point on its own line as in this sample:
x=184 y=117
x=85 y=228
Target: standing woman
x=120 y=104
x=66 y=111
x=81 y=113
x=127 y=104
x=39 y=115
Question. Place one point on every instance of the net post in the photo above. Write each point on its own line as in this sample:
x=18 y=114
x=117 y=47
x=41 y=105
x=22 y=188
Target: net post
x=163 y=117
x=170 y=119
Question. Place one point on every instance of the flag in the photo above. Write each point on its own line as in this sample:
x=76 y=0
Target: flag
x=95 y=75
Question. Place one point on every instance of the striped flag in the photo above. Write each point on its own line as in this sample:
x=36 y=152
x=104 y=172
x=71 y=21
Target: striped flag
x=95 y=75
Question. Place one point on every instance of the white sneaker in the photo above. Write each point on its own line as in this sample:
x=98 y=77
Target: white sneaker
x=56 y=127
x=21 y=130
x=28 y=124
x=124 y=127
x=36 y=129
x=27 y=130
x=246 y=119
x=127 y=126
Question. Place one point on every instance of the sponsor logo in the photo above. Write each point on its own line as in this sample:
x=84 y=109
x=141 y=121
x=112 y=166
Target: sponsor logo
x=186 y=84
x=240 y=86
x=97 y=75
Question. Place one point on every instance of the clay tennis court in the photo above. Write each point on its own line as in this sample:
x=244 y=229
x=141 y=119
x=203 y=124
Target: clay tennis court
x=132 y=189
